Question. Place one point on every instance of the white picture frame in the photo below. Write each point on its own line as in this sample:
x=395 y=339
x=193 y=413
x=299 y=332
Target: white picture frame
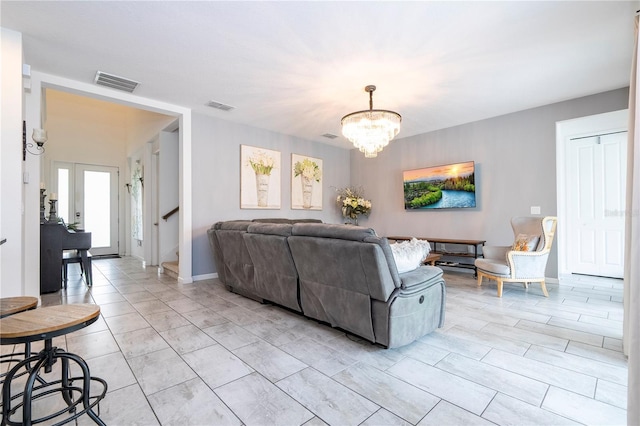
x=260 y=178
x=306 y=182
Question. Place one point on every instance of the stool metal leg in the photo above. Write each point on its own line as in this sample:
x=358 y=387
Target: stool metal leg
x=45 y=359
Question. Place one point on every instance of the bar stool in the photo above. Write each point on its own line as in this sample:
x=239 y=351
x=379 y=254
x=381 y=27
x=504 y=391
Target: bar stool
x=45 y=324
x=81 y=256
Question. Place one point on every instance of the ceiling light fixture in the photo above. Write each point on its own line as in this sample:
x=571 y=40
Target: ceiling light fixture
x=371 y=130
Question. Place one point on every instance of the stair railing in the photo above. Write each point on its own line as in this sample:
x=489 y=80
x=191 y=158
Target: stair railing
x=171 y=213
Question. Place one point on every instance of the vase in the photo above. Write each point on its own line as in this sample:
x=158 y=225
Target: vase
x=355 y=221
x=262 y=186
x=53 y=218
x=307 y=188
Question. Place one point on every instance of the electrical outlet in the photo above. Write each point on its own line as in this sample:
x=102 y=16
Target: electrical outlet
x=535 y=209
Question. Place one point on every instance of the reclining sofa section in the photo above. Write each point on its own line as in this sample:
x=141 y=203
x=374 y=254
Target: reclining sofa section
x=340 y=274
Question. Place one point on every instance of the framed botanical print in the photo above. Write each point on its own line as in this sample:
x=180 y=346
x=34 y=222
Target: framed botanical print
x=260 y=171
x=306 y=182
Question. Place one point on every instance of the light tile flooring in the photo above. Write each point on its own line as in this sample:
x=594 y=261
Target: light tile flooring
x=179 y=354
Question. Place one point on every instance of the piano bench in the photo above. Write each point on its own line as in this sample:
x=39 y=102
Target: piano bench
x=83 y=257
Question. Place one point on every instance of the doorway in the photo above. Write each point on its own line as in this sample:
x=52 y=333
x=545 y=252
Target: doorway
x=88 y=200
x=591 y=172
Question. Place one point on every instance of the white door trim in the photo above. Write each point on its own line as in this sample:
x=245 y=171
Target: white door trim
x=583 y=126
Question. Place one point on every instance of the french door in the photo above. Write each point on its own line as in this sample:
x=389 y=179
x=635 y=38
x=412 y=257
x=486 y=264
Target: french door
x=88 y=199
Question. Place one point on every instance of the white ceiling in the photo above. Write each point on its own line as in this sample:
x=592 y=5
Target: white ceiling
x=298 y=67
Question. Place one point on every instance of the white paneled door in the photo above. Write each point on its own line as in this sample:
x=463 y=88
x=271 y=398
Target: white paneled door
x=596 y=204
x=88 y=197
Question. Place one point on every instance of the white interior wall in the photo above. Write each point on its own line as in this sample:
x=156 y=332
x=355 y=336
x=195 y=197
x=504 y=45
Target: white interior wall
x=168 y=196
x=215 y=169
x=11 y=189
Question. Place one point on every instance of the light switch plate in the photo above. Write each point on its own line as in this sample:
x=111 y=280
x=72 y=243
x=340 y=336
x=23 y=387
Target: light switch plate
x=535 y=209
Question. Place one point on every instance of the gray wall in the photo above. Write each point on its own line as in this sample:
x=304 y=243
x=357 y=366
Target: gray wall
x=515 y=157
x=216 y=178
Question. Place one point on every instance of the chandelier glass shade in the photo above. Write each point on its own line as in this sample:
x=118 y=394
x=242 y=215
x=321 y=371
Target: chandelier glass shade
x=371 y=130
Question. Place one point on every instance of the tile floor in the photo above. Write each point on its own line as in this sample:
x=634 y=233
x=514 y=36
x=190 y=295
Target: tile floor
x=196 y=354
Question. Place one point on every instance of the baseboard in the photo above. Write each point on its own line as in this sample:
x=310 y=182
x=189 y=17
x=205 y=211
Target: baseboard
x=205 y=277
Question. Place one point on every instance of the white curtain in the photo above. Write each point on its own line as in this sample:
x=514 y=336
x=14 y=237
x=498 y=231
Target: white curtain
x=631 y=335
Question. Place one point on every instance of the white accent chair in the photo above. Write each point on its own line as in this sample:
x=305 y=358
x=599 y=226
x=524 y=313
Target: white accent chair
x=519 y=262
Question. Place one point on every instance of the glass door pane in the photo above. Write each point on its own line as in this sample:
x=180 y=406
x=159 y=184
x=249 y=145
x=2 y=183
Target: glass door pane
x=97 y=207
x=88 y=197
x=64 y=201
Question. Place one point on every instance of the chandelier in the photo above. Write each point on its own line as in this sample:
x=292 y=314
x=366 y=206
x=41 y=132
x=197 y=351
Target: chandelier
x=371 y=130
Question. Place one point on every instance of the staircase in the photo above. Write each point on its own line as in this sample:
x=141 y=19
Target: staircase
x=171 y=267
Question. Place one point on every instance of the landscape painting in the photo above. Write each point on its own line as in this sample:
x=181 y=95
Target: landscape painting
x=440 y=187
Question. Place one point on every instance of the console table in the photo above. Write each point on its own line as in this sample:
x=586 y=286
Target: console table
x=451 y=258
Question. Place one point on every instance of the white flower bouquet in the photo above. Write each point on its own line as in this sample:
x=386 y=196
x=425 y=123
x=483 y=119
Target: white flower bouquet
x=308 y=169
x=353 y=203
x=261 y=163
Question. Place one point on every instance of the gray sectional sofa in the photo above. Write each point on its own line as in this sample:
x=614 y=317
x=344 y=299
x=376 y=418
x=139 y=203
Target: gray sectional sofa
x=339 y=274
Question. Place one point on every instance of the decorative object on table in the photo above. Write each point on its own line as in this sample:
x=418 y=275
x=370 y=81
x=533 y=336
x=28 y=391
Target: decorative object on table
x=259 y=178
x=440 y=187
x=43 y=219
x=371 y=130
x=53 y=214
x=352 y=203
x=306 y=182
x=39 y=136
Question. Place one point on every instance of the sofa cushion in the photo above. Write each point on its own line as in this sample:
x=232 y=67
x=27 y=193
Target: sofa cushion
x=281 y=229
x=494 y=267
x=408 y=255
x=283 y=220
x=342 y=232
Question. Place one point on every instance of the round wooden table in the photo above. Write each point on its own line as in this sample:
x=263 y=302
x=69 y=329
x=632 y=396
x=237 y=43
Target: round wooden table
x=13 y=305
x=45 y=324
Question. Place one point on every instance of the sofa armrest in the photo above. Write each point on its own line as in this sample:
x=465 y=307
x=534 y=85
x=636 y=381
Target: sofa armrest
x=527 y=264
x=419 y=278
x=495 y=252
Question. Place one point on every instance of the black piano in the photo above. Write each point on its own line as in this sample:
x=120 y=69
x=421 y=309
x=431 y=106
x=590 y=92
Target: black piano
x=54 y=238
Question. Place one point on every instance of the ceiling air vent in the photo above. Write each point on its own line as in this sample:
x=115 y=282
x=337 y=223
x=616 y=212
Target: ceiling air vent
x=218 y=105
x=115 y=82
x=329 y=136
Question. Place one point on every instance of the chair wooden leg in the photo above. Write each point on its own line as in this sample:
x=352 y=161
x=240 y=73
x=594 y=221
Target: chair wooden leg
x=544 y=288
x=499 y=287
x=479 y=278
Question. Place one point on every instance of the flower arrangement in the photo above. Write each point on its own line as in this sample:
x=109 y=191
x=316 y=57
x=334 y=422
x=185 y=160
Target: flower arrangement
x=352 y=203
x=262 y=163
x=308 y=169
